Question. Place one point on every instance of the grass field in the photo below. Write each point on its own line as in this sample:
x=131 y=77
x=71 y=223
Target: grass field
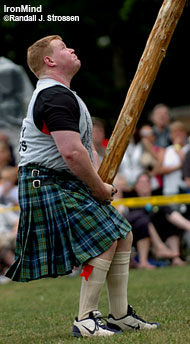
x=43 y=311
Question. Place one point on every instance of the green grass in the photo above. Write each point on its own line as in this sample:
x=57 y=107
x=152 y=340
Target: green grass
x=43 y=311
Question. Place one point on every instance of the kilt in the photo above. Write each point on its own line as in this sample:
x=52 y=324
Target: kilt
x=61 y=225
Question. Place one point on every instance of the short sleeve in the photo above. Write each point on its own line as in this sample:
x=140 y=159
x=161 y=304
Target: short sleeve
x=58 y=108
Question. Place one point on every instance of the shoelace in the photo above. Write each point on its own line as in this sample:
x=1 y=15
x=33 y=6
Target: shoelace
x=99 y=322
x=133 y=313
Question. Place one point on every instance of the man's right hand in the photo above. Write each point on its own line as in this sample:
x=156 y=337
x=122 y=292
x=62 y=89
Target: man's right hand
x=105 y=195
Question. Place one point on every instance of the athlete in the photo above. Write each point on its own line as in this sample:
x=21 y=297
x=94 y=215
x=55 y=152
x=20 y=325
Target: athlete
x=66 y=218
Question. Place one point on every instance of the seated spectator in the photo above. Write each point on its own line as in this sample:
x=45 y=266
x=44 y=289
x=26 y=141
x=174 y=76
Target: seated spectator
x=144 y=233
x=8 y=218
x=160 y=117
x=8 y=186
x=151 y=157
x=173 y=159
x=4 y=138
x=156 y=227
x=8 y=232
x=186 y=170
x=5 y=155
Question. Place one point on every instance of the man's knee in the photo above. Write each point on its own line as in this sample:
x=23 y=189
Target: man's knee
x=109 y=253
x=125 y=244
x=130 y=238
x=113 y=247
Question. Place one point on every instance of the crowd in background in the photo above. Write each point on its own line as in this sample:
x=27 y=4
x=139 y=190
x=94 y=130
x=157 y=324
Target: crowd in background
x=9 y=213
x=156 y=162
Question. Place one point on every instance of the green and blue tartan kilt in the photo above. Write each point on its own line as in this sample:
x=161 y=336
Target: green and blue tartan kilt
x=60 y=226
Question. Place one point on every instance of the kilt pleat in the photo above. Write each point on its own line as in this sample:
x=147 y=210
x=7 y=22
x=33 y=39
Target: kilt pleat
x=60 y=226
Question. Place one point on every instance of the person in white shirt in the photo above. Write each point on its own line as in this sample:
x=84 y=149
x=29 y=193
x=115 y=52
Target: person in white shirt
x=173 y=159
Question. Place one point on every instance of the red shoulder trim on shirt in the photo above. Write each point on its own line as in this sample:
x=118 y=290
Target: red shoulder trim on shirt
x=45 y=129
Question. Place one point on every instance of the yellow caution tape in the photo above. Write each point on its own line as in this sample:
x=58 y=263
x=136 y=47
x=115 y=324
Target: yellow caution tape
x=4 y=210
x=135 y=202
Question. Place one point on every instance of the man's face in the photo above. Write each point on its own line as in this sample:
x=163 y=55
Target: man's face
x=64 y=58
x=161 y=117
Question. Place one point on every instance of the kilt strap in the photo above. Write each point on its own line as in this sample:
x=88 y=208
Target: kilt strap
x=37 y=183
x=45 y=176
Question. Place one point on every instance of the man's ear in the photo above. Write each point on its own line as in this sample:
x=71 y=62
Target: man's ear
x=49 y=61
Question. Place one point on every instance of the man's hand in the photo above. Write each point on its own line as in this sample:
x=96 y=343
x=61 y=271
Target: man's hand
x=107 y=195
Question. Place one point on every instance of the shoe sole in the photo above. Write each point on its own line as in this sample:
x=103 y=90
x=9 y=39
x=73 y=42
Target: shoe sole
x=113 y=326
x=79 y=335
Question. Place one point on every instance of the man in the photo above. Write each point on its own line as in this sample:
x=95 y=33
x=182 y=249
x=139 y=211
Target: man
x=160 y=117
x=65 y=219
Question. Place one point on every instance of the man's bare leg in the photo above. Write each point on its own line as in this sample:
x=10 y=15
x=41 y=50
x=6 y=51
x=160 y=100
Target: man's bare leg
x=160 y=250
x=179 y=221
x=174 y=243
x=143 y=248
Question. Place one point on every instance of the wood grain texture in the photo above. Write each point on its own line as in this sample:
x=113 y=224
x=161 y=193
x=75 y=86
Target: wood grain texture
x=148 y=67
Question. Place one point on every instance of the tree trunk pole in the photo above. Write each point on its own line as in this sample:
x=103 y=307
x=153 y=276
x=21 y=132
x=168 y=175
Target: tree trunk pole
x=155 y=51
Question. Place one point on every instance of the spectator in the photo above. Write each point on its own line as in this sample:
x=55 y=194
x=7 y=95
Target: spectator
x=5 y=155
x=173 y=159
x=144 y=233
x=186 y=170
x=131 y=165
x=8 y=218
x=8 y=232
x=4 y=138
x=99 y=136
x=155 y=228
x=121 y=184
x=151 y=157
x=168 y=222
x=8 y=186
x=160 y=118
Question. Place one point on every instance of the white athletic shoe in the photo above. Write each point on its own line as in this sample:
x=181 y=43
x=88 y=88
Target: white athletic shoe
x=92 y=326
x=131 y=321
x=4 y=279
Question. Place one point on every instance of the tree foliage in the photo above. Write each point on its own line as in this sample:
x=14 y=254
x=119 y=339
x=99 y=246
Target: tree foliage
x=109 y=39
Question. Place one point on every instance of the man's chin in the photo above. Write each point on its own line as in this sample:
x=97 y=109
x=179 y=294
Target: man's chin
x=79 y=62
x=78 y=65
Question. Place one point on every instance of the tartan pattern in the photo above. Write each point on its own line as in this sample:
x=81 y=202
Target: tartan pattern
x=60 y=226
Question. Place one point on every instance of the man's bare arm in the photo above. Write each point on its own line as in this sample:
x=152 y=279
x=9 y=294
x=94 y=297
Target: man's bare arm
x=77 y=158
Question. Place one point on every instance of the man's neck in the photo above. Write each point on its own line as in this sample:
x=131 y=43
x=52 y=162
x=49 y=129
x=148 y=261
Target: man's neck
x=160 y=129
x=61 y=78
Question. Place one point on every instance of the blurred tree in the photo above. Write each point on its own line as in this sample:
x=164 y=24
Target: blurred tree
x=109 y=39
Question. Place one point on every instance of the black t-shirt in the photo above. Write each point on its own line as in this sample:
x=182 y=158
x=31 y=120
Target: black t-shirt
x=55 y=109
